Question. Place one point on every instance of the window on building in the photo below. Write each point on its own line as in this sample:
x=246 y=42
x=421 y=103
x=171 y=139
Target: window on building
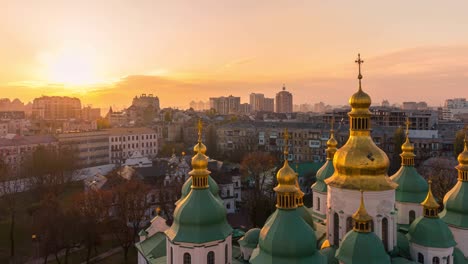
x=349 y=224
x=210 y=258
x=385 y=232
x=336 y=229
x=436 y=260
x=172 y=256
x=187 y=258
x=228 y=205
x=412 y=216
x=226 y=254
x=420 y=258
x=318 y=203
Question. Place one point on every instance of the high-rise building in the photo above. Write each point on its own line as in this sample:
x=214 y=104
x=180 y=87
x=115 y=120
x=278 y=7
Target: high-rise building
x=258 y=102
x=284 y=101
x=225 y=105
x=145 y=101
x=56 y=108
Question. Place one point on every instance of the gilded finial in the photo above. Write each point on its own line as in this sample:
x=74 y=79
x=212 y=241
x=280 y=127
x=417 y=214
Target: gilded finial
x=407 y=123
x=430 y=204
x=361 y=218
x=158 y=210
x=359 y=62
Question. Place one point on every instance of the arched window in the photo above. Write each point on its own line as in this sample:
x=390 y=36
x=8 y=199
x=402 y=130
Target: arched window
x=318 y=203
x=336 y=229
x=187 y=258
x=436 y=260
x=385 y=232
x=349 y=224
x=412 y=216
x=420 y=258
x=210 y=258
x=172 y=256
x=226 y=254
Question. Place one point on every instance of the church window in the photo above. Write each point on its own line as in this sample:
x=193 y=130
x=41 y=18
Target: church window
x=210 y=258
x=228 y=205
x=420 y=258
x=412 y=216
x=385 y=232
x=318 y=203
x=336 y=229
x=226 y=254
x=435 y=260
x=187 y=258
x=172 y=256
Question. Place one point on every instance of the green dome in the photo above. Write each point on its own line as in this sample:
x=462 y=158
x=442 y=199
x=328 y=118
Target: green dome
x=250 y=239
x=325 y=172
x=430 y=232
x=214 y=189
x=456 y=206
x=199 y=218
x=286 y=238
x=458 y=257
x=359 y=248
x=412 y=187
x=329 y=253
x=306 y=215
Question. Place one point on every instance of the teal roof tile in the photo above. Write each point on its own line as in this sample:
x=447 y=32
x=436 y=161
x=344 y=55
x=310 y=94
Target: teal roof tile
x=430 y=232
x=412 y=187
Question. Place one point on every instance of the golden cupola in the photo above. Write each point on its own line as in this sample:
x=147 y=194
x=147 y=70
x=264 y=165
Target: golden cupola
x=407 y=155
x=362 y=220
x=360 y=164
x=331 y=143
x=286 y=190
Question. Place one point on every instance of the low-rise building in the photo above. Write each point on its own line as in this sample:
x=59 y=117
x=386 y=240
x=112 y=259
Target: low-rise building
x=92 y=146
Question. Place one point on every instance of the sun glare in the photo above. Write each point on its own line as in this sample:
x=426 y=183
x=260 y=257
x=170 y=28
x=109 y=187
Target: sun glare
x=70 y=68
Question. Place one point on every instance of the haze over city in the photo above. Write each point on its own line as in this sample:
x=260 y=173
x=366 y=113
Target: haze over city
x=108 y=51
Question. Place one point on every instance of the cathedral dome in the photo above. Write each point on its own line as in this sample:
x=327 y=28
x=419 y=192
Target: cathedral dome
x=200 y=146
x=286 y=178
x=430 y=232
x=214 y=188
x=360 y=100
x=352 y=245
x=463 y=156
x=250 y=239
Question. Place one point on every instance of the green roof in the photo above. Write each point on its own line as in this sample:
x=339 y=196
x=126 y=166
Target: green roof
x=403 y=246
x=306 y=215
x=402 y=261
x=250 y=240
x=188 y=186
x=412 y=187
x=325 y=172
x=430 y=232
x=359 y=248
x=329 y=253
x=458 y=257
x=456 y=206
x=286 y=238
x=153 y=247
x=307 y=168
x=199 y=218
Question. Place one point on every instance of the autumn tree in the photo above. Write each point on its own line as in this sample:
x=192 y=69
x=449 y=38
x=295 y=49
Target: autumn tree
x=458 y=144
x=398 y=140
x=129 y=209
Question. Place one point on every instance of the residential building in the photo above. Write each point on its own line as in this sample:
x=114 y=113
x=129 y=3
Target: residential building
x=90 y=114
x=268 y=105
x=225 y=105
x=284 y=101
x=92 y=146
x=56 y=108
x=15 y=149
x=124 y=142
x=455 y=107
x=145 y=101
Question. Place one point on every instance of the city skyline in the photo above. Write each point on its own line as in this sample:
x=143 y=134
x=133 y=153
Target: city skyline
x=243 y=47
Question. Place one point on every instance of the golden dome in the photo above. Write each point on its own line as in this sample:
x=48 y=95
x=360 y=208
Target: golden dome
x=360 y=164
x=407 y=146
x=430 y=204
x=300 y=193
x=332 y=143
x=199 y=146
x=286 y=176
x=463 y=156
x=199 y=161
x=360 y=99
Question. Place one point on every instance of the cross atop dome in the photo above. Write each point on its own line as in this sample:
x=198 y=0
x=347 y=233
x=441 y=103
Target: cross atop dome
x=359 y=62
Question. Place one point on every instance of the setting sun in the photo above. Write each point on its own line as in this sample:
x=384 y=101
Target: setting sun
x=69 y=67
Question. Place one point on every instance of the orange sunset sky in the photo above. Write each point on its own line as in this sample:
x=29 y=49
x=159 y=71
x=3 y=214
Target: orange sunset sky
x=107 y=51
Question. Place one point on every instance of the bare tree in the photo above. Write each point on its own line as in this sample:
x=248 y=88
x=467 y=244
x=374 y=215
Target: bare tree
x=129 y=211
x=10 y=185
x=443 y=175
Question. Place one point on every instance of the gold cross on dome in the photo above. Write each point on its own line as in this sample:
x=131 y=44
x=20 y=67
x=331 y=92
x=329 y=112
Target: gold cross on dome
x=359 y=62
x=200 y=127
x=407 y=123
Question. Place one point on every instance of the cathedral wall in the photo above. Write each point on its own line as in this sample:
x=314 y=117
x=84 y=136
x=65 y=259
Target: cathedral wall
x=343 y=203
x=444 y=254
x=404 y=209
x=320 y=204
x=199 y=252
x=461 y=237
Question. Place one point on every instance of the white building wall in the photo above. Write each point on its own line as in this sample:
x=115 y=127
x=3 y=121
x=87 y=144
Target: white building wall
x=345 y=202
x=403 y=211
x=199 y=252
x=461 y=237
x=123 y=146
x=320 y=204
x=445 y=255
